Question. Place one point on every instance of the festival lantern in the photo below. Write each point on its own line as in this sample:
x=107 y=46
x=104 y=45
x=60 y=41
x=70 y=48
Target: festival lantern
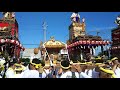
x=88 y=42
x=75 y=43
x=104 y=42
x=2 y=41
x=12 y=41
x=20 y=45
x=92 y=42
x=84 y=42
x=7 y=40
x=118 y=46
x=107 y=42
x=101 y=42
x=16 y=42
x=80 y=42
x=97 y=42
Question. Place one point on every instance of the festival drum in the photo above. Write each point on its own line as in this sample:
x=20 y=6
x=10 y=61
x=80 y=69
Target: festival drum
x=36 y=51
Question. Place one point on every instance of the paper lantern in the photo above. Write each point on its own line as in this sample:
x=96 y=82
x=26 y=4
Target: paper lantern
x=20 y=45
x=12 y=41
x=84 y=42
x=88 y=42
x=7 y=40
x=77 y=42
x=92 y=42
x=97 y=42
x=101 y=42
x=80 y=42
x=2 y=41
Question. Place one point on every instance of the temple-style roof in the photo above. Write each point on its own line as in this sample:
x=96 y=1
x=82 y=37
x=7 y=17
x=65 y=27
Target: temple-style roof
x=52 y=43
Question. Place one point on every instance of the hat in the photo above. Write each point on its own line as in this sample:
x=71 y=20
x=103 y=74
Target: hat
x=18 y=67
x=36 y=62
x=65 y=64
x=115 y=58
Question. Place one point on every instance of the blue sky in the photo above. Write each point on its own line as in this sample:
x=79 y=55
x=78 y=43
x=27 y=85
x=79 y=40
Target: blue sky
x=31 y=32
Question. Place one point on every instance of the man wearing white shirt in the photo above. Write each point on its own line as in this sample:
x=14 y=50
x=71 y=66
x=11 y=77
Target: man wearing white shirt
x=65 y=65
x=10 y=73
x=32 y=72
x=115 y=66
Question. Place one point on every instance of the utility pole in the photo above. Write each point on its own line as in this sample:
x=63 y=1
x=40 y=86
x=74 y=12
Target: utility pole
x=44 y=30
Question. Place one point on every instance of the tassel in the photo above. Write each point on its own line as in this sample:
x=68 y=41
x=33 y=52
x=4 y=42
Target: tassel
x=93 y=51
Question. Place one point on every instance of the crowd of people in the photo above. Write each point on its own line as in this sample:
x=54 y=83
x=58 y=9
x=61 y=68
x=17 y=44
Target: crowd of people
x=96 y=68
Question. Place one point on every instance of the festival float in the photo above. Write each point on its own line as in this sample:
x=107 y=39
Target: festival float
x=115 y=47
x=80 y=44
x=9 y=42
x=52 y=48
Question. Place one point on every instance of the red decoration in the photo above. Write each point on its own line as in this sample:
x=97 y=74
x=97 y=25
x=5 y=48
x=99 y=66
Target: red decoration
x=17 y=43
x=107 y=42
x=88 y=42
x=73 y=44
x=84 y=42
x=104 y=42
x=20 y=45
x=2 y=41
x=80 y=42
x=77 y=42
x=12 y=41
x=97 y=42
x=7 y=40
x=92 y=42
x=101 y=42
